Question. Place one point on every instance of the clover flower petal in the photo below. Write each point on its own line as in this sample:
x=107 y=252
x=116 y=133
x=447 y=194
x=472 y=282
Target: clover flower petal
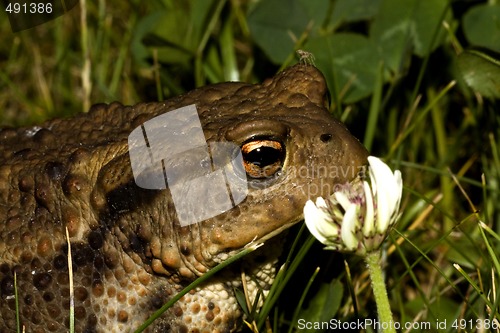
x=318 y=221
x=387 y=188
x=369 y=224
x=349 y=229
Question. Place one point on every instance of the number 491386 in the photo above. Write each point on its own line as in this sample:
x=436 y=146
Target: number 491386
x=31 y=8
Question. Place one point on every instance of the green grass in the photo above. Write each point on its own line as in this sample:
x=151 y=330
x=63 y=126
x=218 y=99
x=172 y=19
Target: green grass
x=420 y=115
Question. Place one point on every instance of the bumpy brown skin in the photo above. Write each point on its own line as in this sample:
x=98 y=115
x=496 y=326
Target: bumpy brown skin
x=130 y=254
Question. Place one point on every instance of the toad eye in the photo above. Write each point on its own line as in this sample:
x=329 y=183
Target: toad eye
x=263 y=158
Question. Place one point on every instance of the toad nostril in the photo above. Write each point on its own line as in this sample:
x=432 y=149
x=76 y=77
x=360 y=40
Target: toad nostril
x=325 y=137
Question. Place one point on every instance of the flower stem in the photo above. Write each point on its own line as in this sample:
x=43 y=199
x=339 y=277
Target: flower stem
x=380 y=291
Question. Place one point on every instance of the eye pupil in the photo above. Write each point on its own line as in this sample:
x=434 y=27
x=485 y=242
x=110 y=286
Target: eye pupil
x=262 y=158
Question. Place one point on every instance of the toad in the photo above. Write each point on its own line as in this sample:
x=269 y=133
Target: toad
x=130 y=253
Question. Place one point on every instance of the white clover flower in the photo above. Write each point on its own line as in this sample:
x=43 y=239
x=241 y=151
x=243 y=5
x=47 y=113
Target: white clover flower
x=358 y=217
